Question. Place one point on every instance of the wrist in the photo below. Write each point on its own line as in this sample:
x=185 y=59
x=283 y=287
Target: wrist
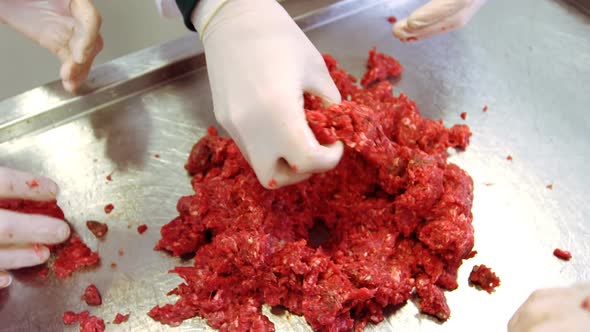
x=203 y=12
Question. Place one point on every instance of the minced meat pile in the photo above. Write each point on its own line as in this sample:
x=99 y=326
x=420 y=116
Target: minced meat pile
x=396 y=217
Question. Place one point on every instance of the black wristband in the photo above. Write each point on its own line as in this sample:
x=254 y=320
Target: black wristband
x=186 y=8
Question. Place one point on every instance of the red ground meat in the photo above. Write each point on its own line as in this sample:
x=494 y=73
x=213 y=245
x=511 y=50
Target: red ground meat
x=396 y=214
x=142 y=228
x=119 y=318
x=485 y=108
x=483 y=277
x=380 y=67
x=464 y=115
x=97 y=228
x=87 y=322
x=72 y=256
x=391 y=19
x=562 y=254
x=549 y=186
x=509 y=157
x=108 y=208
x=33 y=207
x=92 y=296
x=70 y=317
x=92 y=324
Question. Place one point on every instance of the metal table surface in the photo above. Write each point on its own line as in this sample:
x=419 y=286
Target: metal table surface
x=528 y=60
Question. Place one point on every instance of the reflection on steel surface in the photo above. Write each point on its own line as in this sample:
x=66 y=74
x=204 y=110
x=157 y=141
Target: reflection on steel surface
x=532 y=70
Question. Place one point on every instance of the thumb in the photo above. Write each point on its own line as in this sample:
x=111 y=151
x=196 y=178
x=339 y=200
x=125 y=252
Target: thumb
x=88 y=22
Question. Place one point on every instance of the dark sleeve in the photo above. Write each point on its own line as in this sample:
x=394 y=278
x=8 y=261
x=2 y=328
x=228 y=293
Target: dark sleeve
x=186 y=8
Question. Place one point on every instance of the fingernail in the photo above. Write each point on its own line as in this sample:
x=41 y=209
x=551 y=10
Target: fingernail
x=53 y=188
x=63 y=232
x=5 y=279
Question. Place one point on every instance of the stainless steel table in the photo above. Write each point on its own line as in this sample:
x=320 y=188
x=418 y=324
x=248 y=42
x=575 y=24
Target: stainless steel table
x=528 y=60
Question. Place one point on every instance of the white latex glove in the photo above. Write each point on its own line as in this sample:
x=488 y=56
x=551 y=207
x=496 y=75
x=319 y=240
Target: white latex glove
x=259 y=64
x=553 y=310
x=19 y=231
x=437 y=16
x=67 y=28
x=168 y=8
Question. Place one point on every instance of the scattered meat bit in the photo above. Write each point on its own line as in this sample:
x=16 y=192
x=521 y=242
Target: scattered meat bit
x=142 y=228
x=73 y=255
x=272 y=183
x=120 y=318
x=562 y=254
x=411 y=39
x=87 y=322
x=489 y=184
x=97 y=228
x=32 y=184
x=464 y=115
x=483 y=277
x=397 y=215
x=121 y=252
x=113 y=266
x=108 y=208
x=380 y=67
x=92 y=296
x=392 y=19
x=92 y=324
x=509 y=158
x=471 y=254
x=485 y=108
x=129 y=226
x=294 y=168
x=43 y=272
x=550 y=186
x=70 y=317
x=156 y=156
x=586 y=303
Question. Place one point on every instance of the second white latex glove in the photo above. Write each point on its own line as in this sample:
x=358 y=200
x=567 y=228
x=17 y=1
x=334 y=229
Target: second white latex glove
x=67 y=28
x=19 y=232
x=260 y=63
x=437 y=16
x=553 y=310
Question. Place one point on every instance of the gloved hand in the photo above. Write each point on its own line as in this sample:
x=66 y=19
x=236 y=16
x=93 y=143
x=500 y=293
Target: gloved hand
x=19 y=232
x=68 y=28
x=557 y=309
x=437 y=16
x=259 y=64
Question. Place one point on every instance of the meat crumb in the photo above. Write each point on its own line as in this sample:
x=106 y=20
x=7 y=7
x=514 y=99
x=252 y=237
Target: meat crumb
x=121 y=252
x=98 y=229
x=392 y=19
x=485 y=108
x=471 y=254
x=550 y=186
x=509 y=158
x=88 y=323
x=113 y=266
x=562 y=254
x=156 y=156
x=32 y=184
x=488 y=184
x=142 y=228
x=92 y=296
x=108 y=208
x=484 y=278
x=120 y=318
x=464 y=115
x=586 y=304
